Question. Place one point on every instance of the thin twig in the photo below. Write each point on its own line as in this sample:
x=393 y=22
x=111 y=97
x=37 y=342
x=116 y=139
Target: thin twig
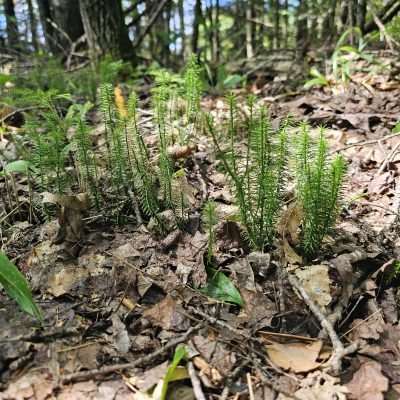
x=364 y=143
x=388 y=159
x=196 y=384
x=231 y=378
x=250 y=386
x=339 y=351
x=91 y=373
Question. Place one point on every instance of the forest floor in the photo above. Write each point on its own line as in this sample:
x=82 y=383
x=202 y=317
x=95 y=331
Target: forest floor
x=115 y=313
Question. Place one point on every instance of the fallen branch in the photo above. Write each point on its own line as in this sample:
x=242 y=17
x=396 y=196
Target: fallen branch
x=364 y=143
x=91 y=373
x=196 y=384
x=334 y=364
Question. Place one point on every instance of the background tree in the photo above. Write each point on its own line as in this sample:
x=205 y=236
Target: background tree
x=105 y=29
x=11 y=23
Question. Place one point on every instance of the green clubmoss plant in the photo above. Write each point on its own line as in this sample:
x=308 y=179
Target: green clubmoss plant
x=50 y=149
x=318 y=188
x=85 y=159
x=210 y=220
x=258 y=176
x=192 y=89
x=114 y=136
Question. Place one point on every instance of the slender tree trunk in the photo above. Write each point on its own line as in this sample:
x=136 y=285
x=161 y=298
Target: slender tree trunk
x=361 y=14
x=385 y=15
x=196 y=27
x=302 y=39
x=32 y=26
x=105 y=29
x=216 y=33
x=66 y=15
x=48 y=29
x=286 y=20
x=344 y=12
x=329 y=25
x=277 y=25
x=182 y=34
x=249 y=31
x=11 y=23
x=259 y=12
x=167 y=36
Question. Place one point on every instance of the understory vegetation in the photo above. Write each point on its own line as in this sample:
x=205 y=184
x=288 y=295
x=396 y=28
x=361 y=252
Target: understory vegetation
x=131 y=181
x=134 y=180
x=199 y=200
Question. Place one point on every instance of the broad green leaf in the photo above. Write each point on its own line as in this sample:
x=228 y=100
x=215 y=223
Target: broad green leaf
x=220 y=287
x=349 y=49
x=396 y=129
x=180 y=352
x=17 y=287
x=320 y=81
x=20 y=166
x=232 y=81
x=315 y=73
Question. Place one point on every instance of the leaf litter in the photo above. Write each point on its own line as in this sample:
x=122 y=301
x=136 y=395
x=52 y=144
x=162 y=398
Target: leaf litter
x=113 y=295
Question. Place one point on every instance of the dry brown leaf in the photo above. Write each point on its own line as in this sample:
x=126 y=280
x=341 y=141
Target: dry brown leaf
x=296 y=357
x=290 y=224
x=319 y=386
x=120 y=336
x=165 y=315
x=176 y=152
x=315 y=281
x=120 y=102
x=66 y=280
x=206 y=369
x=368 y=383
x=290 y=255
x=370 y=329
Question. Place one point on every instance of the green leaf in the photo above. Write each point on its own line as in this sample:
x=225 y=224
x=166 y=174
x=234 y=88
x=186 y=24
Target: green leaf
x=220 y=287
x=20 y=166
x=17 y=287
x=180 y=352
x=348 y=49
x=320 y=81
x=396 y=129
x=232 y=81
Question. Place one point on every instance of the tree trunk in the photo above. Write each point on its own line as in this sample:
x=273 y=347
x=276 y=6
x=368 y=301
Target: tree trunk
x=329 y=26
x=32 y=26
x=48 y=29
x=196 y=27
x=182 y=28
x=277 y=24
x=217 y=32
x=286 y=20
x=105 y=29
x=385 y=15
x=302 y=39
x=361 y=14
x=249 y=32
x=66 y=15
x=11 y=24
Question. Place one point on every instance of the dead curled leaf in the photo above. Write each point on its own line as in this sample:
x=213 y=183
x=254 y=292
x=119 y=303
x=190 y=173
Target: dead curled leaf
x=319 y=385
x=297 y=356
x=70 y=219
x=315 y=281
x=368 y=383
x=165 y=315
x=176 y=152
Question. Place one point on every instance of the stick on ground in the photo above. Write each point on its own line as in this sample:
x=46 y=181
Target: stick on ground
x=334 y=364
